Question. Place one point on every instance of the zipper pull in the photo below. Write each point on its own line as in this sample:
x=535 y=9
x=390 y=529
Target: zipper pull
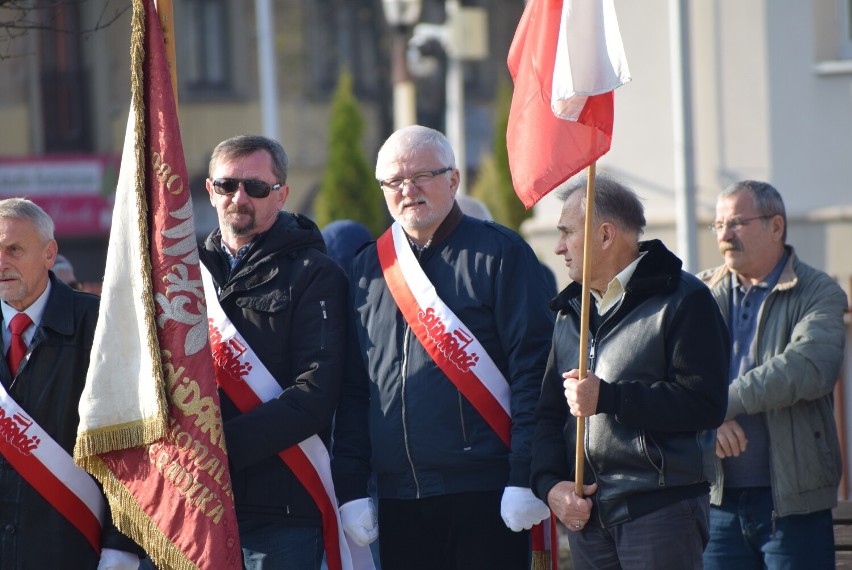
x=324 y=315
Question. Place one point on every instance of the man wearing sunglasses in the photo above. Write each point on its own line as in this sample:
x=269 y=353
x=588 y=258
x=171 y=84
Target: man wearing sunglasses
x=779 y=456
x=451 y=338
x=271 y=279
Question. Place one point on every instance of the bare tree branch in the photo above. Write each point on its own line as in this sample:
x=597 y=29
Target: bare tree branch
x=18 y=17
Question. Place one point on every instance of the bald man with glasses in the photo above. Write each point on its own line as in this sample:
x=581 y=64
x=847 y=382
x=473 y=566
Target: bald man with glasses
x=778 y=452
x=451 y=334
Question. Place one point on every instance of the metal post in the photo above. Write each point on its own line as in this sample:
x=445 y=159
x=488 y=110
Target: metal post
x=267 y=73
x=455 y=103
x=404 y=98
x=684 y=161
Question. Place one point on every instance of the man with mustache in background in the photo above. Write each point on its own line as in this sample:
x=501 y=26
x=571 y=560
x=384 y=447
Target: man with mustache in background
x=778 y=447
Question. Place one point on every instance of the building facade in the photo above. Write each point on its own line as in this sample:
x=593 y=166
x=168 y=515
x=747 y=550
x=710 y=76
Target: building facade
x=65 y=92
x=771 y=99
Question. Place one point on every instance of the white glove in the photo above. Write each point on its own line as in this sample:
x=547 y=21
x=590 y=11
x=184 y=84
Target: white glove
x=112 y=559
x=521 y=509
x=359 y=521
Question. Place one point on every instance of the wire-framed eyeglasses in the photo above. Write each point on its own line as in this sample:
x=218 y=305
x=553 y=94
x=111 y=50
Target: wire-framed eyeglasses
x=736 y=224
x=419 y=179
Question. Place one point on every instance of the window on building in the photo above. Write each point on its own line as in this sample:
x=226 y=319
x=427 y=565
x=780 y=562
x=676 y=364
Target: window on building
x=64 y=82
x=345 y=35
x=204 y=58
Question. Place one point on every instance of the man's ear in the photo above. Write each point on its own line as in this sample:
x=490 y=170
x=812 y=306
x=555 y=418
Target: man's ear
x=607 y=233
x=282 y=193
x=777 y=225
x=455 y=180
x=210 y=191
x=50 y=252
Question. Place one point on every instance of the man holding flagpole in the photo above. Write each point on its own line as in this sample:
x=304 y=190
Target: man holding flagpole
x=449 y=347
x=654 y=392
x=52 y=513
x=277 y=308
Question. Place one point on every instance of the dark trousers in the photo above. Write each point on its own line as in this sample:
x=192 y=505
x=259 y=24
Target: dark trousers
x=449 y=532
x=670 y=538
x=269 y=546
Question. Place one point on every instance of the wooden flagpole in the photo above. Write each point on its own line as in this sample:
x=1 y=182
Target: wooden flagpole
x=580 y=456
x=165 y=12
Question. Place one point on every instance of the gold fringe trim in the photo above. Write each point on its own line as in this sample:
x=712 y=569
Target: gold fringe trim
x=130 y=519
x=128 y=516
x=152 y=428
x=137 y=86
x=124 y=436
x=541 y=560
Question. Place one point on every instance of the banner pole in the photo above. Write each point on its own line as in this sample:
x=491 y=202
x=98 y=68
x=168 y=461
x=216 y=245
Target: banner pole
x=579 y=460
x=165 y=13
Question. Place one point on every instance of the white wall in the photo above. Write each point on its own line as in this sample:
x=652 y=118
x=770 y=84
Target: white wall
x=761 y=109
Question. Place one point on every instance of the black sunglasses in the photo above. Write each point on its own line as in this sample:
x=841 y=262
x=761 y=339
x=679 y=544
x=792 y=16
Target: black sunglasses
x=254 y=188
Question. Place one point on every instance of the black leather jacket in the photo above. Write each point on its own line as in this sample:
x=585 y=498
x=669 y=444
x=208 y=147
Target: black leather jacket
x=663 y=357
x=288 y=300
x=34 y=535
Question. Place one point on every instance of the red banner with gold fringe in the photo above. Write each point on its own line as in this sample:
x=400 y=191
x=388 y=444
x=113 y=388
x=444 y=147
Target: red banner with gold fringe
x=150 y=426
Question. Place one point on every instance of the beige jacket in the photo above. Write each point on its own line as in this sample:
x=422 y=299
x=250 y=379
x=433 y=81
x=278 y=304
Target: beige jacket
x=800 y=342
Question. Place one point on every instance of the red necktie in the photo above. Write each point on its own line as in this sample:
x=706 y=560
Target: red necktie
x=17 y=346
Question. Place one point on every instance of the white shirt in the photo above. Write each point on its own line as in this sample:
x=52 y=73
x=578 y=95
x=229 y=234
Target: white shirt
x=34 y=312
x=615 y=290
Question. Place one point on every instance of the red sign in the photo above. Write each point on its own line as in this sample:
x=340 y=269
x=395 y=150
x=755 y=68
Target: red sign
x=77 y=215
x=73 y=190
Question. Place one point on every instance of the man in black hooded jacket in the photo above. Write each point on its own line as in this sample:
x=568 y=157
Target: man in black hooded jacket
x=287 y=299
x=656 y=389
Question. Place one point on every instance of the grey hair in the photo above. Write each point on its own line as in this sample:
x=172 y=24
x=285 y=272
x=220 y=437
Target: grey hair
x=244 y=145
x=23 y=209
x=614 y=202
x=766 y=199
x=410 y=141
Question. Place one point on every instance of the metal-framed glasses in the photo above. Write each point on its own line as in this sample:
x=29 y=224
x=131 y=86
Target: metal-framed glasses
x=736 y=224
x=254 y=188
x=419 y=179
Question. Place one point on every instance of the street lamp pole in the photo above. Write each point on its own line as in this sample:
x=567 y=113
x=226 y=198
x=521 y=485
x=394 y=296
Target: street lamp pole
x=268 y=71
x=404 y=96
x=455 y=97
x=465 y=39
x=401 y=16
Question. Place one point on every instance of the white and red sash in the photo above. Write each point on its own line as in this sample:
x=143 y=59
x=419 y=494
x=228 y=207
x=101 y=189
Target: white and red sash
x=451 y=345
x=247 y=381
x=457 y=352
x=50 y=470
